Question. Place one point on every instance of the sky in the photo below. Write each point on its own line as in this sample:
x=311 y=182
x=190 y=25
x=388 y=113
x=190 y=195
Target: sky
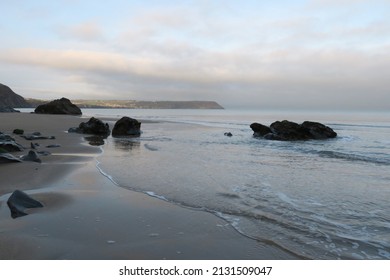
x=303 y=54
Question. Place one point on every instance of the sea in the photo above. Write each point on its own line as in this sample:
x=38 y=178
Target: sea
x=318 y=199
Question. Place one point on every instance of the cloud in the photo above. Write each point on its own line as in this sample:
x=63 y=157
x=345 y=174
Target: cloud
x=277 y=77
x=85 y=31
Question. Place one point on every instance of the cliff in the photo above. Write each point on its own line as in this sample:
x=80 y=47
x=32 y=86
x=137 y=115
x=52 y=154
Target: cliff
x=8 y=98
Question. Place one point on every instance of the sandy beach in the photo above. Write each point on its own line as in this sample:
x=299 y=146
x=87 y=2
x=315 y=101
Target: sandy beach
x=86 y=216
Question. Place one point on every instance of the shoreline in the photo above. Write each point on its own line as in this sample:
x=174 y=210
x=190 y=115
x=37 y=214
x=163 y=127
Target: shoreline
x=86 y=216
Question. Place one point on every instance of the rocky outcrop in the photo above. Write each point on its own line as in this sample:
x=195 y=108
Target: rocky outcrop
x=9 y=99
x=19 y=201
x=61 y=106
x=93 y=126
x=318 y=130
x=260 y=129
x=126 y=127
x=291 y=131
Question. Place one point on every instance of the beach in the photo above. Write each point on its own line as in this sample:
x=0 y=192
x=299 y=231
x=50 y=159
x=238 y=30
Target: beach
x=87 y=216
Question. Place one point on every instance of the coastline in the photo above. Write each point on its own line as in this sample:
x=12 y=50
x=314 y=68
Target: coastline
x=86 y=216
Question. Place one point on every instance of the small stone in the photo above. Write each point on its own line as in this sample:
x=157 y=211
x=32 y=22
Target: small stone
x=18 y=131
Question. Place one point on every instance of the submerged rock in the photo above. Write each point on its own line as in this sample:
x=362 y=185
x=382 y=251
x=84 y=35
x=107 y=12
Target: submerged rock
x=228 y=134
x=19 y=201
x=61 y=106
x=93 y=126
x=126 y=127
x=291 y=131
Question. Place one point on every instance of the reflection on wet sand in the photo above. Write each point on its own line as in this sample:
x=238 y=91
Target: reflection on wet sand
x=126 y=144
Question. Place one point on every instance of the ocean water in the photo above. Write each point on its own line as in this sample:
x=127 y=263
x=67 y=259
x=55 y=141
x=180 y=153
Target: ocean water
x=320 y=199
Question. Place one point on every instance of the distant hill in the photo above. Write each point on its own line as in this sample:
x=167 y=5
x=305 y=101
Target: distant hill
x=133 y=104
x=8 y=98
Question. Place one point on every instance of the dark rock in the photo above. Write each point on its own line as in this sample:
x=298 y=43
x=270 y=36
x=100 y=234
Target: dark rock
x=318 y=130
x=73 y=130
x=8 y=158
x=126 y=127
x=8 y=109
x=31 y=156
x=291 y=131
x=61 y=106
x=18 y=131
x=271 y=136
x=228 y=134
x=260 y=130
x=93 y=126
x=19 y=201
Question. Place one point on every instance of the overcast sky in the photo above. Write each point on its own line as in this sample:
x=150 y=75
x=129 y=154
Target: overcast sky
x=320 y=54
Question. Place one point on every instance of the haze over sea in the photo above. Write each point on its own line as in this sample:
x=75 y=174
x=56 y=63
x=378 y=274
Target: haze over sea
x=323 y=199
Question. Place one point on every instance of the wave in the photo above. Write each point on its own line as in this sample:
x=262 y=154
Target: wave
x=353 y=157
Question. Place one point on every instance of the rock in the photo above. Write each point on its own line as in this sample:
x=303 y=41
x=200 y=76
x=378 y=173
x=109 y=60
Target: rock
x=19 y=201
x=8 y=144
x=318 y=130
x=126 y=127
x=5 y=137
x=31 y=156
x=34 y=145
x=271 y=136
x=291 y=131
x=73 y=130
x=8 y=109
x=228 y=134
x=8 y=158
x=61 y=106
x=260 y=129
x=93 y=126
x=18 y=131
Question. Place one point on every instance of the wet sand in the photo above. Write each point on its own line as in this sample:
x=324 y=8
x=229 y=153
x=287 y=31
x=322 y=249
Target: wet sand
x=86 y=216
